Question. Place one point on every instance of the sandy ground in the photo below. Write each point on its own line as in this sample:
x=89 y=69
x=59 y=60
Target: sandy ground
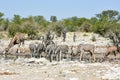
x=42 y=69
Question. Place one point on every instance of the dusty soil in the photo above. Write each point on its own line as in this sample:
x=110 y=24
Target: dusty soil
x=42 y=69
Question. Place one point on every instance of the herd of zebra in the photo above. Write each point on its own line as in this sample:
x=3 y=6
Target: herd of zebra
x=50 y=50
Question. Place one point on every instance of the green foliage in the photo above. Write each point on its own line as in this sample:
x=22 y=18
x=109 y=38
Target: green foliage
x=93 y=38
x=72 y=28
x=108 y=15
x=1 y=19
x=85 y=35
x=53 y=18
x=6 y=24
x=13 y=29
x=58 y=30
x=56 y=27
x=31 y=30
x=102 y=23
x=17 y=19
x=86 y=26
x=1 y=14
x=105 y=21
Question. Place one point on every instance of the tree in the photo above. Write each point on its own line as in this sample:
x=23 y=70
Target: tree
x=31 y=27
x=71 y=23
x=6 y=23
x=86 y=26
x=108 y=15
x=17 y=19
x=39 y=19
x=1 y=19
x=41 y=22
x=53 y=18
x=105 y=21
x=1 y=14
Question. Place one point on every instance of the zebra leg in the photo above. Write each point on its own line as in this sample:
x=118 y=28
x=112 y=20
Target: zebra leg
x=6 y=56
x=51 y=57
x=90 y=59
x=81 y=54
x=60 y=56
x=40 y=55
x=57 y=57
x=67 y=56
x=93 y=55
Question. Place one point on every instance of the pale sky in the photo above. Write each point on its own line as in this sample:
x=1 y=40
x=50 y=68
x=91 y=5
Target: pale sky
x=60 y=8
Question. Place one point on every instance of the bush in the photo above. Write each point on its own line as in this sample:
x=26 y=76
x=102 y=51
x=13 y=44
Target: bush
x=93 y=38
x=13 y=29
x=85 y=35
x=27 y=28
x=72 y=28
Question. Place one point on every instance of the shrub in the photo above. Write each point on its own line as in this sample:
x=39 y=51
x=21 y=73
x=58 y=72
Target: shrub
x=13 y=29
x=93 y=38
x=85 y=35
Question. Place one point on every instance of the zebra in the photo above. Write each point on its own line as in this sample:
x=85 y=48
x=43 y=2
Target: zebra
x=50 y=51
x=40 y=49
x=32 y=48
x=60 y=51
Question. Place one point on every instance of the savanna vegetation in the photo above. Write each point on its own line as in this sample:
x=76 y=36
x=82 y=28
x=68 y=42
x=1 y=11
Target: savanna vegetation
x=102 y=23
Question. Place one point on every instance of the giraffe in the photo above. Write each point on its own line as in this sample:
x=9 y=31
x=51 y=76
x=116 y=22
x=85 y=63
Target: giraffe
x=17 y=39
